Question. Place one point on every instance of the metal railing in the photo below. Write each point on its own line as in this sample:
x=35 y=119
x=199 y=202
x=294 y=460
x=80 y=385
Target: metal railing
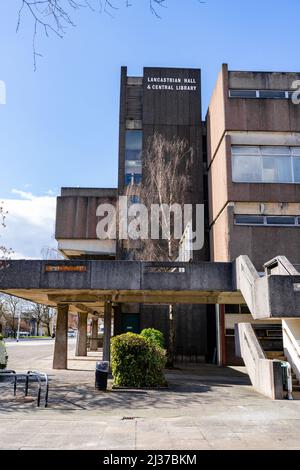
x=37 y=376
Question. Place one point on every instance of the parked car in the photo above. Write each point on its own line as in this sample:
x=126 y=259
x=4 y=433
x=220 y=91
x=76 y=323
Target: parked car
x=72 y=334
x=24 y=334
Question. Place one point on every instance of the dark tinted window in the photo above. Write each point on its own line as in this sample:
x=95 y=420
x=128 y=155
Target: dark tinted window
x=249 y=219
x=274 y=94
x=243 y=93
x=281 y=220
x=133 y=145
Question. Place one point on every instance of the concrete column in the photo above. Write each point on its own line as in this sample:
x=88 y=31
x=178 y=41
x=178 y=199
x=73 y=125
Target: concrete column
x=94 y=340
x=221 y=335
x=60 y=357
x=107 y=331
x=81 y=349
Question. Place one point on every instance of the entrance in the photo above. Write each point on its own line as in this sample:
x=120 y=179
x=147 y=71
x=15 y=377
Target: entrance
x=130 y=323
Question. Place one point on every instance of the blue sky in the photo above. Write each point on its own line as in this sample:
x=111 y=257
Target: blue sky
x=60 y=124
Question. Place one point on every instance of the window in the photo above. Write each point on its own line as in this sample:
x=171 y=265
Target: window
x=133 y=145
x=249 y=220
x=281 y=220
x=273 y=94
x=132 y=178
x=246 y=169
x=133 y=154
x=265 y=164
x=134 y=199
x=262 y=94
x=243 y=94
x=269 y=220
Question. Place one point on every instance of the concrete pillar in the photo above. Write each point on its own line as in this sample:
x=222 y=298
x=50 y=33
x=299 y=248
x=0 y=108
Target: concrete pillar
x=81 y=349
x=221 y=335
x=60 y=357
x=94 y=340
x=107 y=331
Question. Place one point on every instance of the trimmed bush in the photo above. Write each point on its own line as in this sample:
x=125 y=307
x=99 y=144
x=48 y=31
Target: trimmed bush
x=136 y=361
x=153 y=335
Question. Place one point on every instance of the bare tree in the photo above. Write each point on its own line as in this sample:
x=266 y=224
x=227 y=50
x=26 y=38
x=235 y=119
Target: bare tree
x=10 y=309
x=43 y=316
x=5 y=253
x=166 y=184
x=56 y=16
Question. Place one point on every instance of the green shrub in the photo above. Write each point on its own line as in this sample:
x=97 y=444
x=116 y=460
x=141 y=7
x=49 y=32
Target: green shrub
x=155 y=336
x=3 y=354
x=136 y=361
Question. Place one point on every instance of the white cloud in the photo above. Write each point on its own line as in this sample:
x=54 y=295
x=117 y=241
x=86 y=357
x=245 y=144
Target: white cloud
x=30 y=224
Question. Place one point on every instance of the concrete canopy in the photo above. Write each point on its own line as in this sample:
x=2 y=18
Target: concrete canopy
x=86 y=285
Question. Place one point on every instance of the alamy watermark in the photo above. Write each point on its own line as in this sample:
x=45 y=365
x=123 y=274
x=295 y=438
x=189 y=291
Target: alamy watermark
x=156 y=222
x=296 y=93
x=2 y=92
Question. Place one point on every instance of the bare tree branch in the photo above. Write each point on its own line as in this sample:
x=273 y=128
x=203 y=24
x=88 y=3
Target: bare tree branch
x=166 y=181
x=55 y=16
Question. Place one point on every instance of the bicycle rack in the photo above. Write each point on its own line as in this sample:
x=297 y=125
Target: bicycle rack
x=38 y=376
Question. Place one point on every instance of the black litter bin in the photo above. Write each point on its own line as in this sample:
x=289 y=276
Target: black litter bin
x=101 y=374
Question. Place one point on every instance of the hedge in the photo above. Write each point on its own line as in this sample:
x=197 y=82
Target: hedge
x=3 y=354
x=153 y=335
x=136 y=361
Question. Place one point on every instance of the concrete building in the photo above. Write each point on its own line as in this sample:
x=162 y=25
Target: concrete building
x=166 y=101
x=253 y=147
x=238 y=298
x=246 y=170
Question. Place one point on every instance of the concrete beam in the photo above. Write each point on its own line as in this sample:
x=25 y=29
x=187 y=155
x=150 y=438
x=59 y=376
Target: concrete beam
x=107 y=331
x=81 y=348
x=60 y=357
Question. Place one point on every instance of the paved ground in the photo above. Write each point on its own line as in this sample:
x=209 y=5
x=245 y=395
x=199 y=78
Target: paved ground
x=204 y=408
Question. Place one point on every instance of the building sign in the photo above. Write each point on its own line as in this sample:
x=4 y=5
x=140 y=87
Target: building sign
x=51 y=268
x=171 y=84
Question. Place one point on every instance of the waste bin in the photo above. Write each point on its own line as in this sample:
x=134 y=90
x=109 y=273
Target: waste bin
x=101 y=374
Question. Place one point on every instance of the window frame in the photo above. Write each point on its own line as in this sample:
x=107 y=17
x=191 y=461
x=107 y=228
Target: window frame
x=265 y=221
x=261 y=155
x=258 y=94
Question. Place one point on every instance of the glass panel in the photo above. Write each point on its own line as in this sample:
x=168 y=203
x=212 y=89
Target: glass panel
x=296 y=163
x=129 y=178
x=242 y=93
x=246 y=169
x=295 y=151
x=133 y=166
x=272 y=94
x=281 y=151
x=281 y=220
x=249 y=219
x=133 y=145
x=245 y=150
x=137 y=178
x=277 y=170
x=135 y=199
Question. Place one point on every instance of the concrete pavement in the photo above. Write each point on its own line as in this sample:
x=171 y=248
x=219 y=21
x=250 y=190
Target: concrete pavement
x=205 y=407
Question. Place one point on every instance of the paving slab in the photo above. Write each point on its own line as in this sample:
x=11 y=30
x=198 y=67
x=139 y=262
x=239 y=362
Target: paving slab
x=205 y=407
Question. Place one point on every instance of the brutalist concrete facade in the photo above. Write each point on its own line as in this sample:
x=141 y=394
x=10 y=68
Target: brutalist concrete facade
x=258 y=217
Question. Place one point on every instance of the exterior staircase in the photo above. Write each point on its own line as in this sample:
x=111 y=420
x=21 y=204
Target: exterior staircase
x=279 y=356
